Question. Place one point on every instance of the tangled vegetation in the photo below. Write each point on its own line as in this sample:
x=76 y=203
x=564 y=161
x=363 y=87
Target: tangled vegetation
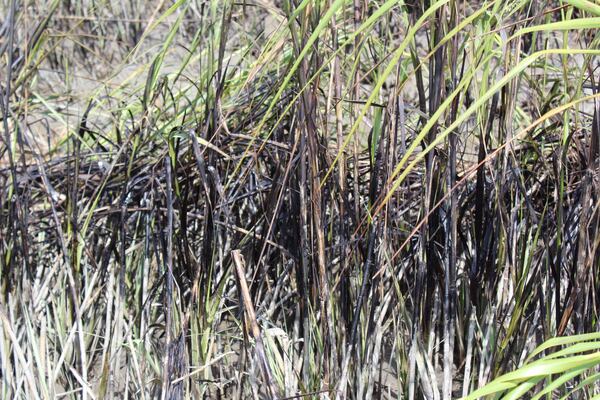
x=288 y=199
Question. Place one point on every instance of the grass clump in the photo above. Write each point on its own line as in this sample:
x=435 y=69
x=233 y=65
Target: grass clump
x=285 y=199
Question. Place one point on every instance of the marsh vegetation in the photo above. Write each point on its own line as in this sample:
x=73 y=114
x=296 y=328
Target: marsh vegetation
x=342 y=199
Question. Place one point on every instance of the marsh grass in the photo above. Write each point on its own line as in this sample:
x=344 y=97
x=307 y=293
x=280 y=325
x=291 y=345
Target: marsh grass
x=298 y=199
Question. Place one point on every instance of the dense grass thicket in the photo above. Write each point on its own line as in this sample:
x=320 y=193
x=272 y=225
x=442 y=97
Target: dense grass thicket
x=327 y=199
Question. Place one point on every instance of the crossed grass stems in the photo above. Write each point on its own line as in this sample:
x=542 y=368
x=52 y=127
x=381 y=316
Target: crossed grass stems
x=360 y=200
